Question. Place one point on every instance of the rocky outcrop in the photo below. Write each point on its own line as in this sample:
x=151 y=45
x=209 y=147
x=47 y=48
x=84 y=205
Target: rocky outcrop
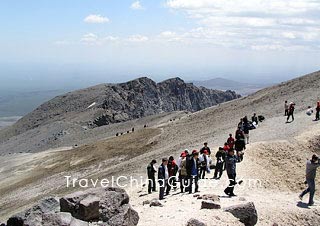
x=102 y=206
x=112 y=103
x=246 y=213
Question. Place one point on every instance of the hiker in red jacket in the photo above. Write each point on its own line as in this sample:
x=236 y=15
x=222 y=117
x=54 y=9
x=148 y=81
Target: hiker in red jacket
x=172 y=169
x=230 y=141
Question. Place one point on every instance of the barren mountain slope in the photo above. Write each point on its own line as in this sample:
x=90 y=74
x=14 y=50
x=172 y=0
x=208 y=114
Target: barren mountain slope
x=276 y=156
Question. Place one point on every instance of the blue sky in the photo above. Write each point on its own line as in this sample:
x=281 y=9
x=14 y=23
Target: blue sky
x=96 y=41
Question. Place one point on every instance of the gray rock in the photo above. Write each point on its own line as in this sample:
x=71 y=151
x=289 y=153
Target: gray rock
x=109 y=206
x=126 y=217
x=33 y=216
x=246 y=213
x=155 y=202
x=146 y=202
x=195 y=222
x=211 y=197
x=58 y=219
x=209 y=204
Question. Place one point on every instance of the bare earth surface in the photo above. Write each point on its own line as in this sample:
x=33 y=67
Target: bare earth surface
x=276 y=157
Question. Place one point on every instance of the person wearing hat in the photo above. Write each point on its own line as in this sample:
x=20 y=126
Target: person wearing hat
x=192 y=171
x=205 y=147
x=151 y=170
x=204 y=163
x=183 y=176
x=311 y=171
x=291 y=111
x=163 y=177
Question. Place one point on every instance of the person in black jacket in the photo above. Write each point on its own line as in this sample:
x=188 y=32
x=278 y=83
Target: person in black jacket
x=163 y=176
x=151 y=176
x=318 y=111
x=231 y=162
x=193 y=171
x=220 y=155
x=255 y=119
x=205 y=147
x=240 y=146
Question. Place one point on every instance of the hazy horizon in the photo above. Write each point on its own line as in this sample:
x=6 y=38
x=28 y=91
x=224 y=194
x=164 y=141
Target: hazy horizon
x=66 y=44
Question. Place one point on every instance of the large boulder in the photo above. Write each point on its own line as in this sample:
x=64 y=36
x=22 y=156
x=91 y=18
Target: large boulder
x=246 y=213
x=33 y=216
x=104 y=206
x=110 y=205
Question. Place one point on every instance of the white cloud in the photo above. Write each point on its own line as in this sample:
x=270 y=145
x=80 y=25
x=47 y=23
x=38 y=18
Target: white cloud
x=96 y=19
x=138 y=38
x=111 y=38
x=136 y=6
x=253 y=24
x=90 y=38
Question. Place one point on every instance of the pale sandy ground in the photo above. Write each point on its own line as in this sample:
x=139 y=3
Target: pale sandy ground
x=277 y=156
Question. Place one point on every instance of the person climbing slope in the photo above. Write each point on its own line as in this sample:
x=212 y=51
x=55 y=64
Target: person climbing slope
x=230 y=141
x=311 y=171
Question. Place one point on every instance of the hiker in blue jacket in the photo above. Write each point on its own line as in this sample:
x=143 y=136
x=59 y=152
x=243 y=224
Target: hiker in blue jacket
x=231 y=161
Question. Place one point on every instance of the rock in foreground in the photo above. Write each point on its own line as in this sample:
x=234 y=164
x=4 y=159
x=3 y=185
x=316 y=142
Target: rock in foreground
x=104 y=206
x=246 y=213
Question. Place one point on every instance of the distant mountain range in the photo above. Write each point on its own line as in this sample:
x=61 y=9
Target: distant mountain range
x=226 y=84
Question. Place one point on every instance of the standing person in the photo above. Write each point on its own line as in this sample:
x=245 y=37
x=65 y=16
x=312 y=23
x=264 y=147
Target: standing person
x=230 y=141
x=205 y=147
x=246 y=130
x=231 y=162
x=240 y=146
x=286 y=108
x=192 y=171
x=255 y=119
x=163 y=176
x=318 y=111
x=291 y=111
x=204 y=163
x=151 y=170
x=240 y=124
x=220 y=155
x=183 y=172
x=311 y=171
x=173 y=169
x=239 y=134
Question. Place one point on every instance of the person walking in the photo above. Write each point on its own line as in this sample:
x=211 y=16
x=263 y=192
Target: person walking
x=173 y=169
x=163 y=176
x=231 y=162
x=220 y=155
x=151 y=170
x=192 y=171
x=183 y=176
x=311 y=171
x=205 y=147
x=204 y=163
x=230 y=141
x=286 y=108
x=318 y=111
x=291 y=111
